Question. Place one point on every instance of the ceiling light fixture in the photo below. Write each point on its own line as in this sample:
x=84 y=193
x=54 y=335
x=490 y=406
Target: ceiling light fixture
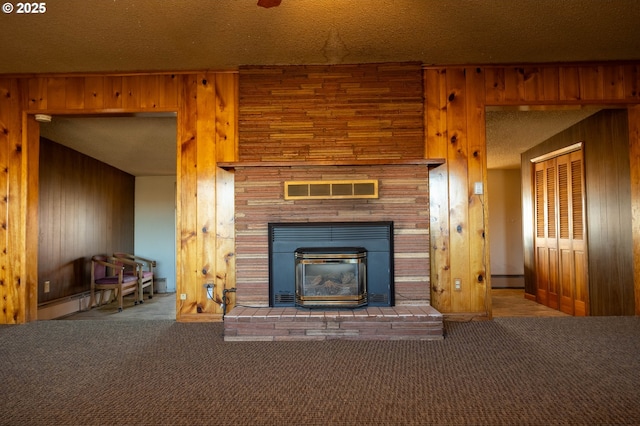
x=43 y=118
x=269 y=3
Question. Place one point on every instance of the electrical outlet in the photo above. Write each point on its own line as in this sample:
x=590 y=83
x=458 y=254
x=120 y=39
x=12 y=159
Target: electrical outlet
x=183 y=296
x=47 y=286
x=457 y=284
x=208 y=285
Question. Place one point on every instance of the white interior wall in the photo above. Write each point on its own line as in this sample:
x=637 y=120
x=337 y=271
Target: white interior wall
x=505 y=221
x=155 y=224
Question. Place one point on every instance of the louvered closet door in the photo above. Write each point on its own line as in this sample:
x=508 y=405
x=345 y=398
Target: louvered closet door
x=546 y=233
x=571 y=238
x=561 y=260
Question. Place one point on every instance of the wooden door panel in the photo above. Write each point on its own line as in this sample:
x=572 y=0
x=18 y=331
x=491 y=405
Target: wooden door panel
x=554 y=279
x=566 y=279
x=578 y=242
x=564 y=235
x=541 y=250
x=581 y=298
x=542 y=274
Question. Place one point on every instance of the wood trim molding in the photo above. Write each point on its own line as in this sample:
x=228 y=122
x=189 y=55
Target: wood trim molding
x=432 y=162
x=557 y=152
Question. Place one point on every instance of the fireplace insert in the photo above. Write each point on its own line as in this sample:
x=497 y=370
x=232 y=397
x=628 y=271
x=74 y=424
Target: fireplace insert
x=331 y=276
x=375 y=238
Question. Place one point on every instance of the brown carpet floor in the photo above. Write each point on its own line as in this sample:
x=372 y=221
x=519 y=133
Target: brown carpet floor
x=509 y=371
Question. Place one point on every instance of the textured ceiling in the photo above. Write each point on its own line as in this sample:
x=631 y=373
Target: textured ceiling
x=141 y=145
x=173 y=35
x=147 y=35
x=512 y=132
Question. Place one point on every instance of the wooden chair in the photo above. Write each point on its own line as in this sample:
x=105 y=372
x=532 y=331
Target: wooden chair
x=108 y=274
x=141 y=267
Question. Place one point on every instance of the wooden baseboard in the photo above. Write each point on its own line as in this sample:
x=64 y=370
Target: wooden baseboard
x=63 y=307
x=199 y=318
x=466 y=316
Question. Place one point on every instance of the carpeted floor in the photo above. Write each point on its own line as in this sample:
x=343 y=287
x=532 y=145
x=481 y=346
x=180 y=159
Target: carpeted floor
x=509 y=371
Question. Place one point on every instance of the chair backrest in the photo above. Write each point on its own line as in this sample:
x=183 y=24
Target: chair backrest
x=124 y=255
x=144 y=265
x=98 y=270
x=126 y=261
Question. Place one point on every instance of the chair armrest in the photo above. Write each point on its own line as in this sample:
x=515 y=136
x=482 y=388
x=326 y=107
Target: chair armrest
x=151 y=263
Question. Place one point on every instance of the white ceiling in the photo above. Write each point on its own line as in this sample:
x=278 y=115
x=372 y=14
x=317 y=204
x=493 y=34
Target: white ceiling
x=141 y=145
x=174 y=35
x=512 y=132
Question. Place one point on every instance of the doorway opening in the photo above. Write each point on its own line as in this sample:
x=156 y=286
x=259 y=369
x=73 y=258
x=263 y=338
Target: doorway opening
x=77 y=218
x=510 y=131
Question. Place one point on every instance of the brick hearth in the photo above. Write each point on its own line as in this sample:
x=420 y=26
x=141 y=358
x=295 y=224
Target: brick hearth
x=420 y=322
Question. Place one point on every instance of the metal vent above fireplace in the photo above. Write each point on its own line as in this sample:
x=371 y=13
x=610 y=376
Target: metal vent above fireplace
x=310 y=190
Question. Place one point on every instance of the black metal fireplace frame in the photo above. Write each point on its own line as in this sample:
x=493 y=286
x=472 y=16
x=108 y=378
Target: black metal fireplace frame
x=376 y=237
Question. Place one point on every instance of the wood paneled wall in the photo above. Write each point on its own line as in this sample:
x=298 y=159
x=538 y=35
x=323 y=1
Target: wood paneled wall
x=454 y=103
x=608 y=212
x=455 y=99
x=207 y=118
x=455 y=129
x=18 y=285
x=206 y=104
x=85 y=207
x=403 y=199
x=633 y=116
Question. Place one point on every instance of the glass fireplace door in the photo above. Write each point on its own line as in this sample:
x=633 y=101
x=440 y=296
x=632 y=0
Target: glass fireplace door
x=331 y=276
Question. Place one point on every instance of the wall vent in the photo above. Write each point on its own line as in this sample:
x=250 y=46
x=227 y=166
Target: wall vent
x=314 y=190
x=283 y=298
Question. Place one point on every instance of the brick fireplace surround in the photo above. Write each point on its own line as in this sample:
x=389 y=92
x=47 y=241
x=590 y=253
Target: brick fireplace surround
x=332 y=122
x=403 y=199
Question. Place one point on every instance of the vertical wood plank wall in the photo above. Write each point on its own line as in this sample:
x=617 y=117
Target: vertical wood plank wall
x=86 y=207
x=634 y=161
x=206 y=104
x=455 y=98
x=207 y=120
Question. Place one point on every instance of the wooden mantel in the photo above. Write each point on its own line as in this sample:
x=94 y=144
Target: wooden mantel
x=429 y=162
